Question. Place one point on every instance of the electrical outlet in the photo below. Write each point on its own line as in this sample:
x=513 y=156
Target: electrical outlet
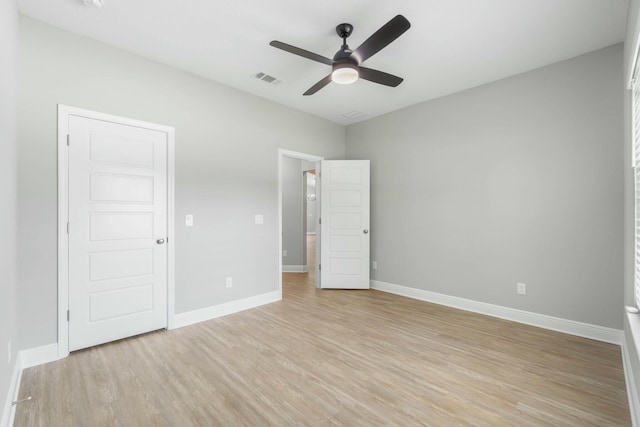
x=374 y=265
x=259 y=219
x=188 y=221
x=9 y=352
x=522 y=288
x=229 y=282
x=284 y=252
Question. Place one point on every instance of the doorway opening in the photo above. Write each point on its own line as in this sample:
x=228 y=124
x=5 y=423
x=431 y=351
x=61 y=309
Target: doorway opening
x=298 y=211
x=116 y=181
x=310 y=222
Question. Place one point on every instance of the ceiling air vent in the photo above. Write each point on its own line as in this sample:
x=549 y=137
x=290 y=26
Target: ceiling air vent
x=94 y=3
x=354 y=115
x=267 y=78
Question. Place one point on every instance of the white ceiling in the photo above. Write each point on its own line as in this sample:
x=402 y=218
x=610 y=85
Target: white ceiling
x=452 y=45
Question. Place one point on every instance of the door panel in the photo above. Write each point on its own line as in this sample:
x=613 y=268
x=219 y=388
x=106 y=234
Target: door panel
x=345 y=224
x=121 y=150
x=121 y=263
x=120 y=226
x=120 y=302
x=120 y=188
x=117 y=211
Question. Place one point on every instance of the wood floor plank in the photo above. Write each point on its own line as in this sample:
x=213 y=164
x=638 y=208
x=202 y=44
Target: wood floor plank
x=335 y=358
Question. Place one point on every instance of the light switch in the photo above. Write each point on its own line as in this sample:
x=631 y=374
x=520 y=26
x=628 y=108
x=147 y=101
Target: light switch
x=188 y=221
x=259 y=219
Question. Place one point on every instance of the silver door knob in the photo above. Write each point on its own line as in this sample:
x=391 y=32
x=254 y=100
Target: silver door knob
x=160 y=241
x=365 y=231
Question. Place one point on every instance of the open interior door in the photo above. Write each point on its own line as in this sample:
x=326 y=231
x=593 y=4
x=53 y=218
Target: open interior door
x=117 y=230
x=344 y=223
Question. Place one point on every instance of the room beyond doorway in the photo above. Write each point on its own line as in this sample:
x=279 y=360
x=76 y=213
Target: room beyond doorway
x=284 y=160
x=308 y=278
x=295 y=204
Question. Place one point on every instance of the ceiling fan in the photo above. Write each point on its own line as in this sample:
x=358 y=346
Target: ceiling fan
x=345 y=64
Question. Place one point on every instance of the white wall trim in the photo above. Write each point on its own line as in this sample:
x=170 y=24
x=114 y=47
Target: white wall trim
x=171 y=228
x=24 y=360
x=633 y=63
x=633 y=320
x=295 y=269
x=586 y=330
x=208 y=313
x=63 y=237
x=64 y=112
x=8 y=410
x=39 y=356
x=632 y=392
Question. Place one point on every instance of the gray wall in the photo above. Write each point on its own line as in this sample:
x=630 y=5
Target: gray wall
x=519 y=180
x=8 y=85
x=292 y=211
x=631 y=342
x=226 y=167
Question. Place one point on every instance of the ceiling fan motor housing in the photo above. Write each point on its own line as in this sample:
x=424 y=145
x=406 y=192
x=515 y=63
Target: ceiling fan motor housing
x=344 y=56
x=344 y=63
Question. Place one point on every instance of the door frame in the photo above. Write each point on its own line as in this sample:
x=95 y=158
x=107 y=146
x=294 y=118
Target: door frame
x=282 y=153
x=64 y=111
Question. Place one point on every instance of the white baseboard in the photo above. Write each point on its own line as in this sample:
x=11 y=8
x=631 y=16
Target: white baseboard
x=49 y=353
x=8 y=410
x=586 y=330
x=208 y=313
x=295 y=269
x=39 y=355
x=25 y=359
x=632 y=391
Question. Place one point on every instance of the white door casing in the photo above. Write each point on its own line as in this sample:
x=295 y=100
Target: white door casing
x=345 y=224
x=119 y=261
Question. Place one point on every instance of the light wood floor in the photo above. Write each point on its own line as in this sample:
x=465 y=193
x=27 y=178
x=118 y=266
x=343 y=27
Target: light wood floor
x=357 y=358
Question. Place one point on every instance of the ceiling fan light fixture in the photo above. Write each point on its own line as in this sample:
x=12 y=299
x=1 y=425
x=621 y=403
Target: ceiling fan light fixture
x=344 y=74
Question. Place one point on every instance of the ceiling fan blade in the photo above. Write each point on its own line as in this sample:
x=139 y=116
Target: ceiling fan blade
x=301 y=52
x=381 y=38
x=316 y=87
x=379 y=77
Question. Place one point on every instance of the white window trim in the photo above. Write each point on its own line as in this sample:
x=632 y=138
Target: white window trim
x=635 y=158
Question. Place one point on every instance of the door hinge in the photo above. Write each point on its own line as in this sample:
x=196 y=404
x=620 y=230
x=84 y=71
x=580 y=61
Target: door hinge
x=319 y=220
x=67 y=139
x=319 y=266
x=68 y=315
x=67 y=227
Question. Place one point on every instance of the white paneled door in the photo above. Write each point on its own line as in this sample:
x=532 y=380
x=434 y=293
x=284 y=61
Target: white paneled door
x=117 y=231
x=345 y=224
